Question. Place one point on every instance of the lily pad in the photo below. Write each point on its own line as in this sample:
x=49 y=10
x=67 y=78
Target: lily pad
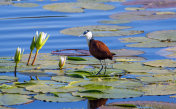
x=76 y=58
x=169 y=52
x=147 y=42
x=65 y=79
x=141 y=15
x=129 y=59
x=114 y=21
x=71 y=52
x=158 y=78
x=166 y=35
x=17 y=91
x=14 y=99
x=77 y=7
x=25 y=4
x=126 y=52
x=61 y=97
x=161 y=63
x=112 y=93
x=159 y=89
x=100 y=0
x=141 y=104
x=42 y=88
x=134 y=8
x=153 y=3
x=101 y=30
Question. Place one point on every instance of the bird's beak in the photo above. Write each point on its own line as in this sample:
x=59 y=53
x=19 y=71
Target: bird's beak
x=81 y=35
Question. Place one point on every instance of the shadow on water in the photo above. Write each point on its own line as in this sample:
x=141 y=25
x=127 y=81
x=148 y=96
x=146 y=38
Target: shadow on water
x=94 y=104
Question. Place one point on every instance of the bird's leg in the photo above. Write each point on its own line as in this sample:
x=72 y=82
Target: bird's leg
x=101 y=68
x=105 y=67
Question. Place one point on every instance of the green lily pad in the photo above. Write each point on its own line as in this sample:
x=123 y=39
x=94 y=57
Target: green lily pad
x=126 y=52
x=17 y=91
x=161 y=63
x=141 y=104
x=77 y=7
x=159 y=89
x=129 y=59
x=14 y=99
x=109 y=82
x=25 y=4
x=158 y=78
x=76 y=58
x=134 y=67
x=69 y=88
x=61 y=97
x=101 y=30
x=146 y=42
x=166 y=35
x=141 y=15
x=65 y=79
x=114 y=21
x=112 y=93
x=42 y=88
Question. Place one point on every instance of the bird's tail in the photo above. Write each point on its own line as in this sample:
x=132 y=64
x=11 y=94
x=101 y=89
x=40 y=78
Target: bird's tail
x=112 y=55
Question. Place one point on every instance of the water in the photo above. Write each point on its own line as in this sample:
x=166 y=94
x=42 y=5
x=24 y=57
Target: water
x=18 y=25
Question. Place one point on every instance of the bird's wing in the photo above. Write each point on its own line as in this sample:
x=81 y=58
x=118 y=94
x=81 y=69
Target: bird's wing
x=99 y=49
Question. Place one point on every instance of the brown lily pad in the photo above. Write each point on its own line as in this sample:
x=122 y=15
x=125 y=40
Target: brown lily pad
x=141 y=104
x=141 y=15
x=153 y=3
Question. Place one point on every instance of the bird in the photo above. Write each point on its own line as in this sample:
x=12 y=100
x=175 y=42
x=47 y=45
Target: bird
x=98 y=49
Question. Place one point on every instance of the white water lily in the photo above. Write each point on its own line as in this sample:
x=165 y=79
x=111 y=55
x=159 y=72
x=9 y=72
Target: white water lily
x=18 y=55
x=40 y=40
x=62 y=60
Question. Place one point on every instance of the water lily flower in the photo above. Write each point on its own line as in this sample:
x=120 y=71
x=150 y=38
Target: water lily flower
x=62 y=61
x=31 y=48
x=40 y=40
x=17 y=57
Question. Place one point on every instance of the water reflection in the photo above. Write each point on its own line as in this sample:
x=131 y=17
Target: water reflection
x=94 y=104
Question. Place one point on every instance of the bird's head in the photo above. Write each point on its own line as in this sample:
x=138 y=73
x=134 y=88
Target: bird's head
x=87 y=34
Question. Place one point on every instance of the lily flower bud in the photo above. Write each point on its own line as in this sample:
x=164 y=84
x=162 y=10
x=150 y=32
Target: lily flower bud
x=62 y=60
x=18 y=55
x=40 y=39
x=32 y=44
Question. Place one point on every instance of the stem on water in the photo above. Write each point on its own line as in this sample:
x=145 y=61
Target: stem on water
x=29 y=58
x=35 y=57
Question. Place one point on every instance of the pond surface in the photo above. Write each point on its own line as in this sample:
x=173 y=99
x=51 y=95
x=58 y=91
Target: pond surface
x=19 y=24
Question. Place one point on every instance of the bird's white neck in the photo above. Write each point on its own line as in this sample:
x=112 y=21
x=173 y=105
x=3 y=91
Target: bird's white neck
x=88 y=37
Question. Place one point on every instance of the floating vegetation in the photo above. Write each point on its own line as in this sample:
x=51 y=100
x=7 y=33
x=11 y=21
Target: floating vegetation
x=163 y=36
x=134 y=8
x=14 y=99
x=101 y=30
x=25 y=4
x=77 y=81
x=153 y=3
x=77 y=6
x=141 y=15
x=114 y=21
x=145 y=42
x=140 y=104
x=168 y=52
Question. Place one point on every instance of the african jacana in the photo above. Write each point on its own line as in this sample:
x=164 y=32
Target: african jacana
x=98 y=49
